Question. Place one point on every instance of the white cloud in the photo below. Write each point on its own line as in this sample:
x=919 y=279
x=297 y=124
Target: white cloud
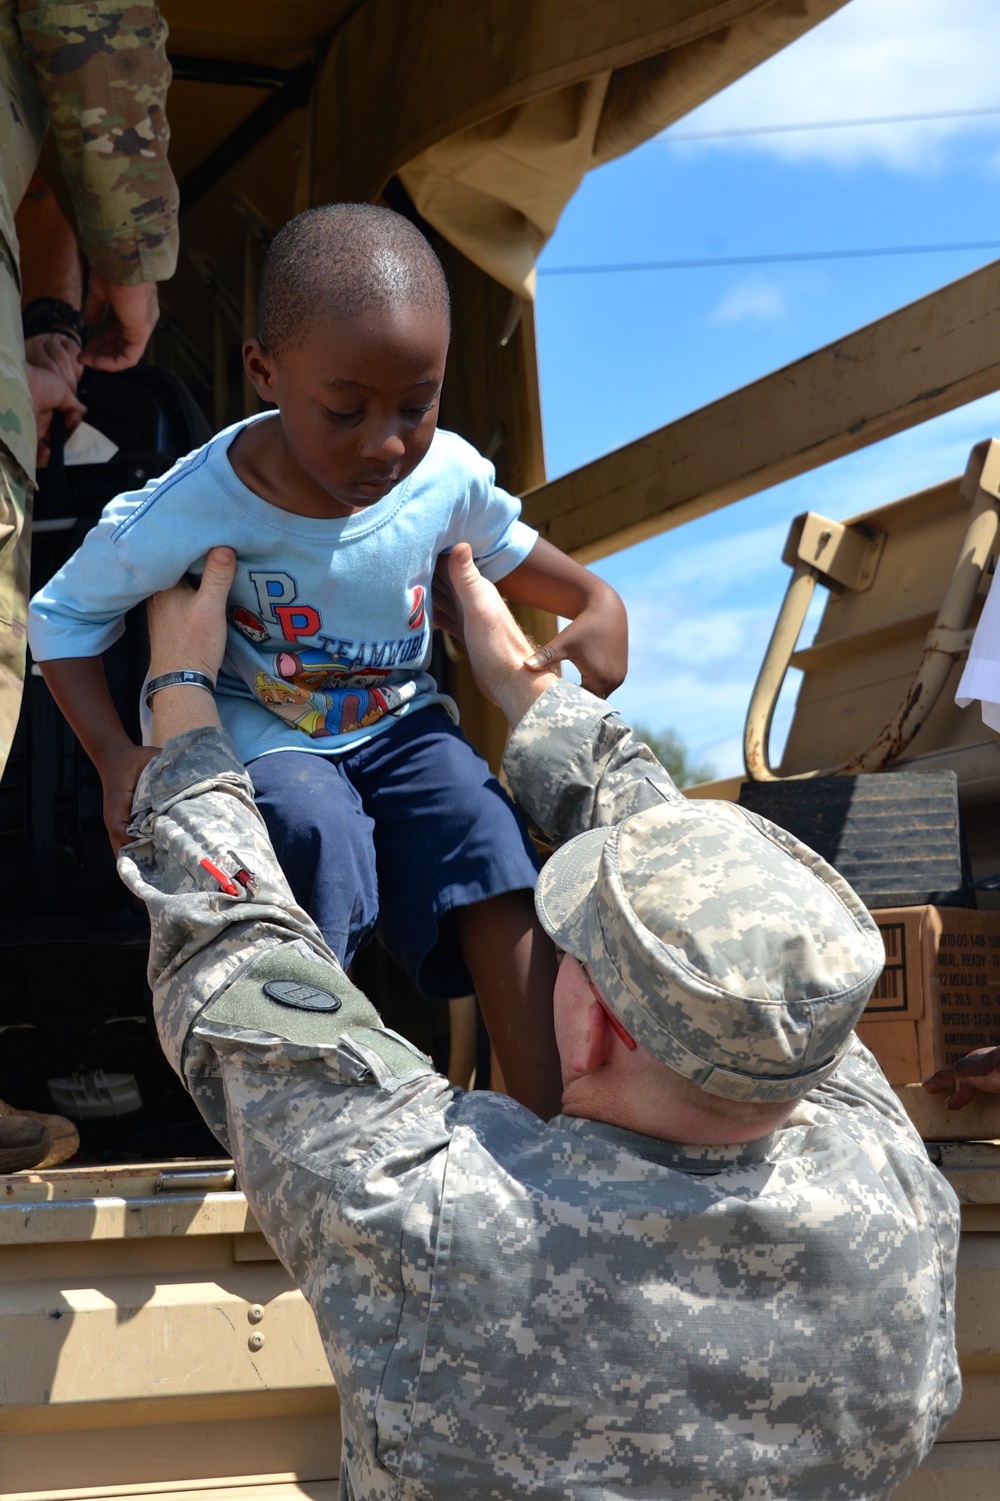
x=872 y=58
x=725 y=756
x=753 y=299
x=702 y=705
x=681 y=629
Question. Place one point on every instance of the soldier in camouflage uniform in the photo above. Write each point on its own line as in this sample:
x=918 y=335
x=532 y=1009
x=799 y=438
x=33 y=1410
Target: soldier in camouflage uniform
x=97 y=75
x=725 y=1272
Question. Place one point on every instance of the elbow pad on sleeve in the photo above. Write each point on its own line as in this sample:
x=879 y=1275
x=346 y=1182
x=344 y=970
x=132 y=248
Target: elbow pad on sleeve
x=310 y=1004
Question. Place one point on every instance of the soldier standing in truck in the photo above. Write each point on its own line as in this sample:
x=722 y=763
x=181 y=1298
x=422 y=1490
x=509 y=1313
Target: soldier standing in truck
x=97 y=77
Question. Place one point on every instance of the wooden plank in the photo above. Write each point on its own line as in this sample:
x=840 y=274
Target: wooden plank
x=924 y=359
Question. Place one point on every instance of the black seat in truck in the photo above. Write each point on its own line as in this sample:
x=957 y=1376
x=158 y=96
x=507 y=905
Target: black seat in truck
x=74 y=1003
x=57 y=875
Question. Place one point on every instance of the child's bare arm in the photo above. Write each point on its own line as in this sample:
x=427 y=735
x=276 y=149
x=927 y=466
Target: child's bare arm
x=80 y=688
x=596 y=638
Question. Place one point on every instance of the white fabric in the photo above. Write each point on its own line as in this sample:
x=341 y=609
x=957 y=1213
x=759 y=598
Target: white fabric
x=981 y=678
x=88 y=446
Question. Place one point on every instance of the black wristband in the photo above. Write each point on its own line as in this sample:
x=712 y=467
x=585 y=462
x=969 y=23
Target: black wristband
x=186 y=678
x=47 y=315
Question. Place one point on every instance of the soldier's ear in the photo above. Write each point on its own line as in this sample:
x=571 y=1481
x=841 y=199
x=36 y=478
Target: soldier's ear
x=579 y=1031
x=594 y=1041
x=599 y=1037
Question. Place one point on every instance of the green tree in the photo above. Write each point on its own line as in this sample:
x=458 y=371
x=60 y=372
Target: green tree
x=671 y=752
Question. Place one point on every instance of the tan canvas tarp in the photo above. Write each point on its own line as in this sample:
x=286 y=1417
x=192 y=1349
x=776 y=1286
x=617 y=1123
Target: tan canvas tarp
x=492 y=112
x=489 y=112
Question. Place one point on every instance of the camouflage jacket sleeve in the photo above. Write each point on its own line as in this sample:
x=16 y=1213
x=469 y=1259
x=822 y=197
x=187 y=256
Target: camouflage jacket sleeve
x=103 y=73
x=235 y=965
x=338 y=1128
x=574 y=764
x=220 y=908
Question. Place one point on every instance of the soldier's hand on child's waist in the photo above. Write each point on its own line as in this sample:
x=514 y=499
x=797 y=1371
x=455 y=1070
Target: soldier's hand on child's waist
x=187 y=630
x=447 y=613
x=187 y=624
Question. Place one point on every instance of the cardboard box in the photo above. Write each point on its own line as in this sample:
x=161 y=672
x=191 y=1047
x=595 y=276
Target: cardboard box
x=939 y=994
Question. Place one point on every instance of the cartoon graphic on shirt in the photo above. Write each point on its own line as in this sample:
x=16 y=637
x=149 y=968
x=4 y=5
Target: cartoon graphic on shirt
x=292 y=704
x=322 y=715
x=357 y=664
x=248 y=625
x=315 y=670
x=361 y=707
x=327 y=685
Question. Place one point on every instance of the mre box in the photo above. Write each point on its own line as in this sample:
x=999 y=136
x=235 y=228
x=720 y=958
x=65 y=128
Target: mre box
x=939 y=994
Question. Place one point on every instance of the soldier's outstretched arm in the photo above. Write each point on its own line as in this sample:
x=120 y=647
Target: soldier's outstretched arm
x=287 y=1061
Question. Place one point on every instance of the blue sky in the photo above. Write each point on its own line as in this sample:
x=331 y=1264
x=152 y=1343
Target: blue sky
x=623 y=354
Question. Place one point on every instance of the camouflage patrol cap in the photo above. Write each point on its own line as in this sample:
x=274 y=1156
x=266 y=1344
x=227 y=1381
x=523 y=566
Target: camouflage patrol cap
x=726 y=947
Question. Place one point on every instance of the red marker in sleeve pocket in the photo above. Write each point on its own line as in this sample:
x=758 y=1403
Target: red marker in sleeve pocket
x=228 y=886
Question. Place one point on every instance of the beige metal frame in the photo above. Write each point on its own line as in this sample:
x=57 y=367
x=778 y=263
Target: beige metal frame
x=923 y=359
x=852 y=563
x=152 y=1343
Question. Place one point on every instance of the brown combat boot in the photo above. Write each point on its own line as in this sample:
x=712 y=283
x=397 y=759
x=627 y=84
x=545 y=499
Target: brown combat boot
x=24 y=1143
x=63 y=1139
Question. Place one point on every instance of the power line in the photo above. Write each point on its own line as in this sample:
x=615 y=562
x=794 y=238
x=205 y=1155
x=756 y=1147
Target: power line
x=669 y=136
x=697 y=262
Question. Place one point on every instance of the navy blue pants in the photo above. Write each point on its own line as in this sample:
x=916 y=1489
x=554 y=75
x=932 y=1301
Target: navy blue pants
x=391 y=837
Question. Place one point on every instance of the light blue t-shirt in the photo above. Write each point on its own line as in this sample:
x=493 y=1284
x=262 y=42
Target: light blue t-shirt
x=329 y=620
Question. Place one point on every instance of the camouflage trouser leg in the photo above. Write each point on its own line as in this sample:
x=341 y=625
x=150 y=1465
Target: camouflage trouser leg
x=16 y=494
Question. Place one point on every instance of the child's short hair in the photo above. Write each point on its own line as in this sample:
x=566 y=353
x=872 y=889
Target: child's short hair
x=344 y=259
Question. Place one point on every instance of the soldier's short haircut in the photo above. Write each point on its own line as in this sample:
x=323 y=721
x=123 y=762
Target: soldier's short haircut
x=344 y=260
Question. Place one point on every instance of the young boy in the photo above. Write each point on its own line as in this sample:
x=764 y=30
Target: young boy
x=338 y=506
